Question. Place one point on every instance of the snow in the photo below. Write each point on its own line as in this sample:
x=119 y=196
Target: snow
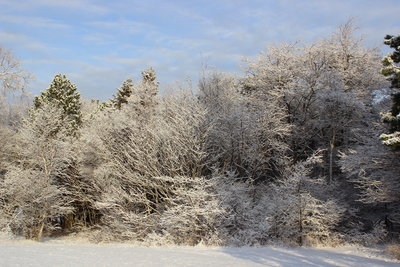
x=380 y=95
x=383 y=94
x=61 y=253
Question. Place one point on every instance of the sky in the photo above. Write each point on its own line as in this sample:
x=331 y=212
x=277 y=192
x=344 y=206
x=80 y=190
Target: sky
x=100 y=43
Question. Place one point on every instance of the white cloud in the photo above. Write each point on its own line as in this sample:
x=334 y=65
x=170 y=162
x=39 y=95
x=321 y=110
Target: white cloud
x=123 y=61
x=33 y=21
x=99 y=38
x=123 y=25
x=10 y=37
x=83 y=5
x=148 y=33
x=22 y=41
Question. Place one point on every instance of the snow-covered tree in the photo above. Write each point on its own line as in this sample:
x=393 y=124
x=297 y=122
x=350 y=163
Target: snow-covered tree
x=12 y=76
x=300 y=78
x=7 y=151
x=30 y=194
x=13 y=81
x=339 y=112
x=149 y=76
x=392 y=69
x=301 y=211
x=246 y=135
x=146 y=163
x=374 y=169
x=244 y=209
x=145 y=94
x=234 y=165
x=13 y=98
x=63 y=94
x=357 y=64
x=124 y=92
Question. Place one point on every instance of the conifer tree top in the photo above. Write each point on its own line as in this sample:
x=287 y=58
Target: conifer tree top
x=392 y=70
x=124 y=92
x=149 y=76
x=63 y=94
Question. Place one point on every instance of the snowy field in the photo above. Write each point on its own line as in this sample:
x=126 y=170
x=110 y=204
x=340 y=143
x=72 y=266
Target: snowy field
x=56 y=253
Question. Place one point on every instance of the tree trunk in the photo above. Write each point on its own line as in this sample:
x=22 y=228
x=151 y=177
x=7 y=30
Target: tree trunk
x=40 y=231
x=331 y=149
x=300 y=240
x=300 y=228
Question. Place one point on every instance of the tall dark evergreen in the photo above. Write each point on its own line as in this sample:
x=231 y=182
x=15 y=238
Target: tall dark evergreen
x=392 y=70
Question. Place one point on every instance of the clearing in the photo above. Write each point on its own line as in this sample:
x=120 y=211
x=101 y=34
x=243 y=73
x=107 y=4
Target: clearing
x=69 y=253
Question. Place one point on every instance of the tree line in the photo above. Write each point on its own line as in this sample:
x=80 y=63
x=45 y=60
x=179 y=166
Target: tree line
x=294 y=152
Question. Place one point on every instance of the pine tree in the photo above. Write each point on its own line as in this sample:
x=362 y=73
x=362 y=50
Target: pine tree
x=144 y=98
x=124 y=92
x=150 y=84
x=63 y=94
x=392 y=70
x=149 y=76
x=141 y=94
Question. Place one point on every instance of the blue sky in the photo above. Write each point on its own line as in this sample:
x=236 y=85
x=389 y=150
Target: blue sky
x=98 y=44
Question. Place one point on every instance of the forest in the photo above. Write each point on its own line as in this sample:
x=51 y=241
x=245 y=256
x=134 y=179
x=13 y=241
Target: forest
x=301 y=150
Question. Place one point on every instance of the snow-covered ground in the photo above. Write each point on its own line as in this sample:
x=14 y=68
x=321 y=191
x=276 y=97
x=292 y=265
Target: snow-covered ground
x=61 y=253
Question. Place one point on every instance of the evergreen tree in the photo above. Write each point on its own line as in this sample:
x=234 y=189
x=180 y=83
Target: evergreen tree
x=146 y=90
x=392 y=70
x=149 y=83
x=144 y=98
x=63 y=94
x=124 y=92
x=149 y=76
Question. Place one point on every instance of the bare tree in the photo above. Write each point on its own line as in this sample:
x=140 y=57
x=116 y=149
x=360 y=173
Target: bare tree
x=13 y=81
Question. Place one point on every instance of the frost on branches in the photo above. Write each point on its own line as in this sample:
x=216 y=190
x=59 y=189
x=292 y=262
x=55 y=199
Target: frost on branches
x=302 y=211
x=63 y=94
x=248 y=161
x=30 y=196
x=392 y=70
x=245 y=135
x=13 y=80
x=374 y=169
x=124 y=92
x=146 y=164
x=321 y=88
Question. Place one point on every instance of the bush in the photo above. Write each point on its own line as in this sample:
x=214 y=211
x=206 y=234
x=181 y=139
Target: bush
x=393 y=250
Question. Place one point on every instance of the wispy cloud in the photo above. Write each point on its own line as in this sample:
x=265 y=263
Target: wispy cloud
x=99 y=38
x=122 y=25
x=100 y=43
x=123 y=61
x=33 y=21
x=12 y=38
x=23 y=41
x=82 y=5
